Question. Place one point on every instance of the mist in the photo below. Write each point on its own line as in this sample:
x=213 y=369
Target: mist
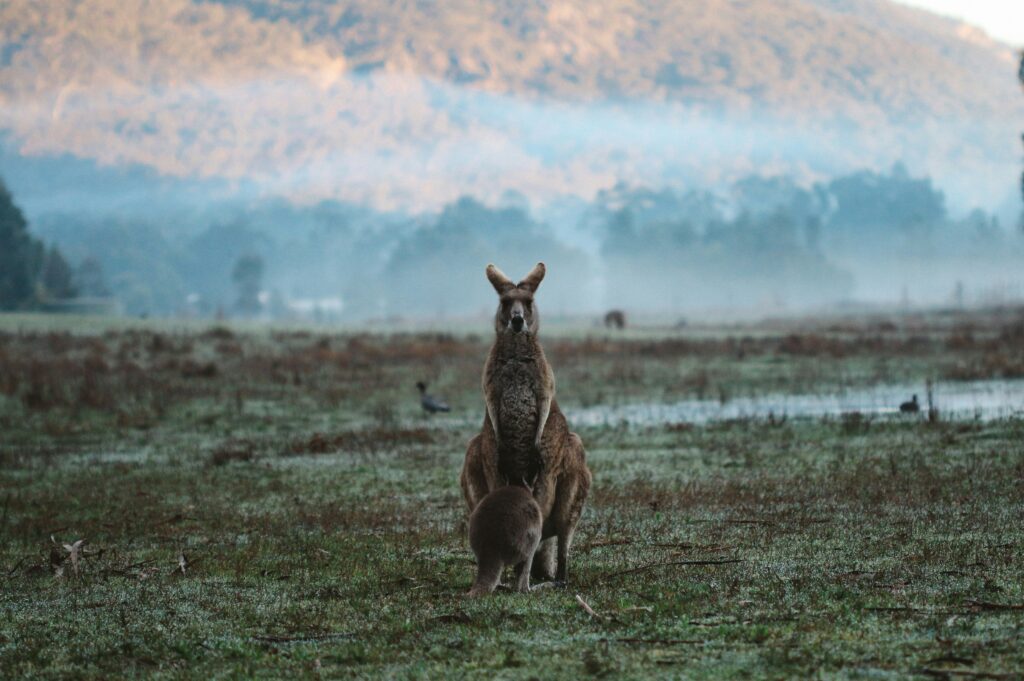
x=411 y=143
x=763 y=245
x=384 y=195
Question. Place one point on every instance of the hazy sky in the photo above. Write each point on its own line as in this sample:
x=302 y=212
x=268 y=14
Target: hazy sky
x=1002 y=19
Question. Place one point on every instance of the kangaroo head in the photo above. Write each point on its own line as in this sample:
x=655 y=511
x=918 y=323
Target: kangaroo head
x=517 y=312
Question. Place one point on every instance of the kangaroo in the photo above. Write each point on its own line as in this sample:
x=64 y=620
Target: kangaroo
x=524 y=434
x=615 y=319
x=504 y=530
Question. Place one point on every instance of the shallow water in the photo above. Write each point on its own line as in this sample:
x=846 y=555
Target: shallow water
x=984 y=400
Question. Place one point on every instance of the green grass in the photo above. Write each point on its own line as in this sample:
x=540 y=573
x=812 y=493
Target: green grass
x=323 y=528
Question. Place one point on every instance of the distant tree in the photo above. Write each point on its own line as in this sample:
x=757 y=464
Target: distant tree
x=21 y=256
x=664 y=250
x=248 y=278
x=140 y=263
x=663 y=208
x=982 y=227
x=90 y=280
x=228 y=241
x=763 y=196
x=438 y=269
x=56 y=277
x=868 y=203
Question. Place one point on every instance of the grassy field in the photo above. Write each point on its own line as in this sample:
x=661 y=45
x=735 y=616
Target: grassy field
x=262 y=503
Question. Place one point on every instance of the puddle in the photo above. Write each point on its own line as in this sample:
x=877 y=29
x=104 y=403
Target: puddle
x=985 y=400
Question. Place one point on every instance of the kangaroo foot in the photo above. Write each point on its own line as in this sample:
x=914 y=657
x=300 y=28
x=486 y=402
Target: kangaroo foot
x=543 y=568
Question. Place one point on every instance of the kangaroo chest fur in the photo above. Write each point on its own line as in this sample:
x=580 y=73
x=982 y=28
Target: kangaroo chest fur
x=515 y=391
x=518 y=402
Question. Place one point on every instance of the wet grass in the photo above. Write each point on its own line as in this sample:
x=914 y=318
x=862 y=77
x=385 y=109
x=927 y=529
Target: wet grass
x=290 y=513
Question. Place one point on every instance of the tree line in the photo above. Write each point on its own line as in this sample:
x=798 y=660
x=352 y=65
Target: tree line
x=32 y=274
x=765 y=239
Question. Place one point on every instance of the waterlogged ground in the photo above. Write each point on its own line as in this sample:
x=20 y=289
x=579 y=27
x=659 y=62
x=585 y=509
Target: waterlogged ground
x=979 y=400
x=271 y=504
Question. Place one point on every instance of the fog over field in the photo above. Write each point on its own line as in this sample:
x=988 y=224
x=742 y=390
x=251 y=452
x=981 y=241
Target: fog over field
x=764 y=157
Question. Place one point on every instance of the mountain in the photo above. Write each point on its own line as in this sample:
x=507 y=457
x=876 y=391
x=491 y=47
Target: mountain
x=870 y=59
x=409 y=104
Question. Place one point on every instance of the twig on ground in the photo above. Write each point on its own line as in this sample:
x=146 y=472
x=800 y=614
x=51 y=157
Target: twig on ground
x=10 y=573
x=457 y=617
x=176 y=518
x=966 y=673
x=272 y=638
x=602 y=544
x=684 y=546
x=662 y=641
x=951 y=659
x=587 y=608
x=74 y=553
x=985 y=605
x=184 y=563
x=123 y=572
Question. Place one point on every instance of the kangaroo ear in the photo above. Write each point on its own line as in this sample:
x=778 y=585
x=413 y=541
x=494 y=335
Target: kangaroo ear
x=498 y=280
x=533 y=279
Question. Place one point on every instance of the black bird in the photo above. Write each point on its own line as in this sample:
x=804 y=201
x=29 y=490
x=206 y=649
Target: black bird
x=911 y=407
x=431 y=404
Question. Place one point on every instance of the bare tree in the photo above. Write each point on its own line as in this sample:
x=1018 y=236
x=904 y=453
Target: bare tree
x=248 y=277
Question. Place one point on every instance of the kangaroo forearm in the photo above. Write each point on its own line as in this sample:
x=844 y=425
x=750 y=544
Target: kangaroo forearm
x=542 y=418
x=492 y=414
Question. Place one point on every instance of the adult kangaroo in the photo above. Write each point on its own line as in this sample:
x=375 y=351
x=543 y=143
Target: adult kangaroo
x=524 y=435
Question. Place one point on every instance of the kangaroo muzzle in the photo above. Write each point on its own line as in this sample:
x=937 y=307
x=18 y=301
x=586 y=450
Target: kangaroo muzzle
x=518 y=323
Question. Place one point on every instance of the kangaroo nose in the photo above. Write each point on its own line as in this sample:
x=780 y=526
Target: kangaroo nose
x=517 y=322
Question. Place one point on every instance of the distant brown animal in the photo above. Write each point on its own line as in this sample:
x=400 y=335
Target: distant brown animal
x=615 y=319
x=504 y=530
x=524 y=434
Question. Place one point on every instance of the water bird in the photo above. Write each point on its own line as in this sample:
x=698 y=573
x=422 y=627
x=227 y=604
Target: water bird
x=911 y=407
x=430 y=404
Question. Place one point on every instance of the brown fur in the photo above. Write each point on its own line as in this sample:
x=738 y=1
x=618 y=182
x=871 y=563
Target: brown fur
x=524 y=434
x=615 y=319
x=504 y=530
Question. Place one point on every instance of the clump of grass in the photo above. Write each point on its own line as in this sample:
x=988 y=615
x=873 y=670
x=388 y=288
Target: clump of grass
x=362 y=440
x=192 y=369
x=221 y=333
x=854 y=423
x=242 y=451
